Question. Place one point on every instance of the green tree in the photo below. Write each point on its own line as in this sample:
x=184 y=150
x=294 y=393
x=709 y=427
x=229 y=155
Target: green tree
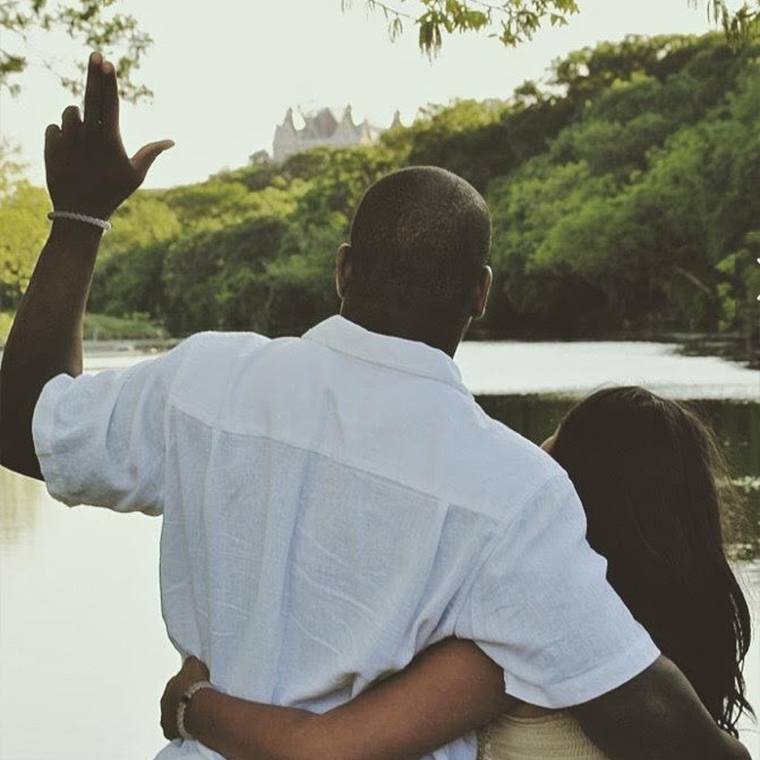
x=127 y=277
x=222 y=201
x=513 y=22
x=741 y=25
x=24 y=230
x=129 y=282
x=215 y=279
x=89 y=21
x=623 y=196
x=538 y=240
x=11 y=170
x=145 y=218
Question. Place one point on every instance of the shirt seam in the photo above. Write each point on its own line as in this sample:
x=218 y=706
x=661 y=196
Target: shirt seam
x=643 y=644
x=626 y=663
x=167 y=408
x=493 y=544
x=458 y=385
x=357 y=467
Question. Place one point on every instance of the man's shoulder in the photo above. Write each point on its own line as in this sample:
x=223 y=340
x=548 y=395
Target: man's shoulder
x=207 y=360
x=499 y=468
x=223 y=342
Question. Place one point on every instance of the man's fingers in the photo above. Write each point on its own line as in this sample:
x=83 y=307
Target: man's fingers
x=93 y=106
x=144 y=157
x=167 y=715
x=53 y=136
x=195 y=669
x=164 y=722
x=165 y=727
x=193 y=663
x=71 y=123
x=110 y=100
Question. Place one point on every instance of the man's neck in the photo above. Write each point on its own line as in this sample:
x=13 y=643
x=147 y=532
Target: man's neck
x=444 y=337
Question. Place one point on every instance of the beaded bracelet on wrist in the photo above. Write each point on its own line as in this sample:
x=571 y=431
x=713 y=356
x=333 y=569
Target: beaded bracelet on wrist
x=184 y=702
x=104 y=224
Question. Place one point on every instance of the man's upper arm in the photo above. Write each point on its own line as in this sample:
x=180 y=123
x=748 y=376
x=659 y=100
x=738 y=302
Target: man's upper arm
x=541 y=607
x=100 y=438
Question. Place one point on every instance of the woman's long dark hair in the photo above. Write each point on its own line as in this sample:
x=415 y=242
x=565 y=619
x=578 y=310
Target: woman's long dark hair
x=655 y=486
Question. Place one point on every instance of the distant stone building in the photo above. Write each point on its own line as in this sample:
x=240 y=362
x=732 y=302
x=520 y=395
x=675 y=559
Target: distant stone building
x=324 y=129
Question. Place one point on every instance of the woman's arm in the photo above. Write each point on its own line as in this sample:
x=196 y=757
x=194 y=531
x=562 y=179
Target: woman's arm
x=447 y=691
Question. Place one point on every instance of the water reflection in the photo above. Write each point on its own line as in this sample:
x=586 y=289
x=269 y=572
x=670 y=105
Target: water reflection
x=736 y=424
x=20 y=503
x=517 y=367
x=83 y=651
x=577 y=368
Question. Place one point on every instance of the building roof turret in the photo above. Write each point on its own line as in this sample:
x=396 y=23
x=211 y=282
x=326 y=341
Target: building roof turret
x=322 y=128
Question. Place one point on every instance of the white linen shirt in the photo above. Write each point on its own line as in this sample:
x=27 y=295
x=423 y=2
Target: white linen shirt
x=333 y=504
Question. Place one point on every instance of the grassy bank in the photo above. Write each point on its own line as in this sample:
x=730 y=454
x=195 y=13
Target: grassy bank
x=103 y=327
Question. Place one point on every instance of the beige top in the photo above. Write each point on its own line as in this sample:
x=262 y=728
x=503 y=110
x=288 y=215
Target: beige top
x=557 y=736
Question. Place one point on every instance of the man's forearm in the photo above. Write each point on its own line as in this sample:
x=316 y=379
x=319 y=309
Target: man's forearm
x=46 y=336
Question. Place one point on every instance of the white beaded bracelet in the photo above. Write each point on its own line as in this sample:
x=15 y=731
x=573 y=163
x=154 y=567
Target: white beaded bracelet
x=184 y=702
x=102 y=223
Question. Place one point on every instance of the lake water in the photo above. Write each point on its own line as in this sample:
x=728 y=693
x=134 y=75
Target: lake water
x=83 y=651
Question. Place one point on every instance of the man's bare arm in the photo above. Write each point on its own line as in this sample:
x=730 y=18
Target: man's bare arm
x=89 y=172
x=46 y=337
x=656 y=716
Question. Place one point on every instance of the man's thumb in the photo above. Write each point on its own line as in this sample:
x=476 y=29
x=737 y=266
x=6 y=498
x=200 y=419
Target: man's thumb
x=144 y=157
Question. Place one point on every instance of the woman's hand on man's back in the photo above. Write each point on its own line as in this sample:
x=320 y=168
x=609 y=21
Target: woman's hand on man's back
x=192 y=671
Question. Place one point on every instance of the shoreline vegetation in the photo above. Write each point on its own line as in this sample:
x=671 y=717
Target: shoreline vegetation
x=622 y=190
x=105 y=333
x=101 y=329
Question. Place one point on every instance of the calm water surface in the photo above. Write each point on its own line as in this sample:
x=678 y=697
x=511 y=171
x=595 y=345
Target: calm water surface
x=83 y=651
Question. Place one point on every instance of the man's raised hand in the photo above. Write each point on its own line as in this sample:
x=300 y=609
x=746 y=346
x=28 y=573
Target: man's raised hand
x=88 y=170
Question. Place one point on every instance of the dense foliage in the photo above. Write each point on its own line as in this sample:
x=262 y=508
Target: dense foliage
x=623 y=192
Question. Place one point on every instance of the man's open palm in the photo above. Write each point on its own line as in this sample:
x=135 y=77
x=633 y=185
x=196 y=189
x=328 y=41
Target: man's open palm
x=88 y=169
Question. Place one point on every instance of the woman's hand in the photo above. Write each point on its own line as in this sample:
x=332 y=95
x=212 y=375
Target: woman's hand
x=88 y=170
x=192 y=671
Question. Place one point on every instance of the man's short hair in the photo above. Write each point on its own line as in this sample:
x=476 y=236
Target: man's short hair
x=419 y=239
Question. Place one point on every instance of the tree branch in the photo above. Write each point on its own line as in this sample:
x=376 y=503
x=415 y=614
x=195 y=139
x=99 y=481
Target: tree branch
x=378 y=4
x=694 y=280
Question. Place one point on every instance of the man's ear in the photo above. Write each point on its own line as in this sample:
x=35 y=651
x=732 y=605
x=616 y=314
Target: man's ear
x=342 y=269
x=483 y=288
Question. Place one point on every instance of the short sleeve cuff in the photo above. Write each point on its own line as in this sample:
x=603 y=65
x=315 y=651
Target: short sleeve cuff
x=589 y=684
x=43 y=435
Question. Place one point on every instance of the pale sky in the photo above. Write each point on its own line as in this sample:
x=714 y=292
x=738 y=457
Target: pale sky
x=224 y=73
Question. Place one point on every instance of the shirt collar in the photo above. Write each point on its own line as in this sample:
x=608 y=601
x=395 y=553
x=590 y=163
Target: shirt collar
x=410 y=356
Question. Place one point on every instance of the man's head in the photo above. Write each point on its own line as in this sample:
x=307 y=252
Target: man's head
x=416 y=261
